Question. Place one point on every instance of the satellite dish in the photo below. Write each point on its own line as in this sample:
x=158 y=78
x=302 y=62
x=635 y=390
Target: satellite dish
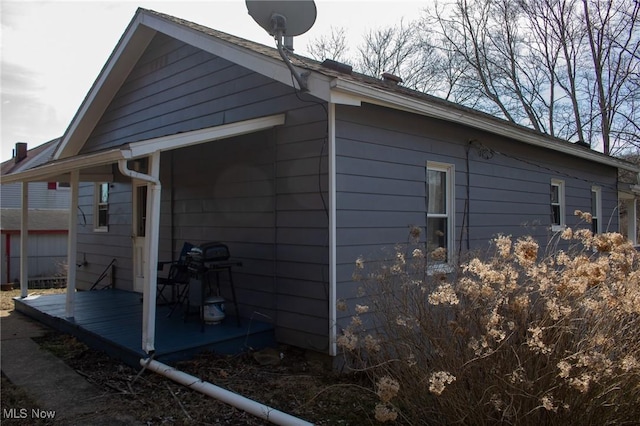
x=290 y=17
x=285 y=19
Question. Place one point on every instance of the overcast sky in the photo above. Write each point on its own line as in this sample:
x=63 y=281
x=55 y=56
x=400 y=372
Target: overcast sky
x=52 y=51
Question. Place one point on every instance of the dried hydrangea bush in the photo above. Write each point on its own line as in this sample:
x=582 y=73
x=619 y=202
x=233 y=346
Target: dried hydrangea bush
x=520 y=335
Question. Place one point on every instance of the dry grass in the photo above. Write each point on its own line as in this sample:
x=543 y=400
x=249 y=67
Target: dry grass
x=299 y=385
x=296 y=385
x=6 y=297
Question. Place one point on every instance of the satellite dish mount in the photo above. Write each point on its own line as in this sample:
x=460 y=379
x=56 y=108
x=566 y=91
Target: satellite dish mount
x=285 y=19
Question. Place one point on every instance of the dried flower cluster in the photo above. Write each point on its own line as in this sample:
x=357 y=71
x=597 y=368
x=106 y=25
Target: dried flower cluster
x=439 y=380
x=520 y=335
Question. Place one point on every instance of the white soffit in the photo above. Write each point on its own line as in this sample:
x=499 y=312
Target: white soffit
x=181 y=140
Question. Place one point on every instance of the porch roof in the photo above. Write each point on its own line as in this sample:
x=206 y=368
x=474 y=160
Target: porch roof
x=58 y=169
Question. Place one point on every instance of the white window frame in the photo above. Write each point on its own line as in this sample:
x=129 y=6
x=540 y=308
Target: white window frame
x=596 y=192
x=449 y=171
x=555 y=227
x=60 y=186
x=99 y=205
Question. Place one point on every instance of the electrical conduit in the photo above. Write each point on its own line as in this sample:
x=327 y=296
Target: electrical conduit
x=250 y=406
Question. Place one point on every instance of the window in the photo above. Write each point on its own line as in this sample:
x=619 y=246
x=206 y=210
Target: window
x=440 y=211
x=101 y=217
x=596 y=209
x=557 y=205
x=58 y=185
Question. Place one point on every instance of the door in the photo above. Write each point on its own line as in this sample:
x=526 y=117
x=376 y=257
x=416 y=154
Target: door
x=139 y=234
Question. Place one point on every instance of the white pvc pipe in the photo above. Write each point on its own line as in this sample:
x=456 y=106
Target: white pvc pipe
x=250 y=406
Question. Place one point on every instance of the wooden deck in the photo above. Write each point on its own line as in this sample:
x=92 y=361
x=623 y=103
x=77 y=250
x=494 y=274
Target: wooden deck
x=111 y=321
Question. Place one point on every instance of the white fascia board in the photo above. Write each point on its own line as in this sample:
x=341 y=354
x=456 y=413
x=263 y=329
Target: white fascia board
x=392 y=100
x=122 y=60
x=55 y=169
x=318 y=84
x=181 y=140
x=342 y=98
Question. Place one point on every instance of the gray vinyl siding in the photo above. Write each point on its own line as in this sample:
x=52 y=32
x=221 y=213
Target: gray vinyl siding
x=175 y=88
x=260 y=195
x=47 y=256
x=40 y=197
x=265 y=194
x=100 y=248
x=510 y=191
x=381 y=159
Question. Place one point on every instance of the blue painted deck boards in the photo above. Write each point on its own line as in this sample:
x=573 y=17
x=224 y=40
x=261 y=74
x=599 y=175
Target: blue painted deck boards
x=111 y=320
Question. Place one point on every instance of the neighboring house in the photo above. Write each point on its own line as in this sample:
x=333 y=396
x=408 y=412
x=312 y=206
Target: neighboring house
x=47 y=246
x=48 y=218
x=193 y=135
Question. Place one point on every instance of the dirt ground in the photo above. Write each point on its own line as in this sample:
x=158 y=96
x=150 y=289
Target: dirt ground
x=295 y=383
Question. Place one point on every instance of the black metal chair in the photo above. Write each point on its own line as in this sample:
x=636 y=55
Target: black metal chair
x=177 y=280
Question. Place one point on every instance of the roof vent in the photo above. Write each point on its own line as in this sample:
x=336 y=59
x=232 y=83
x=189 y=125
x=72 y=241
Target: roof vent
x=20 y=152
x=390 y=78
x=583 y=143
x=337 y=66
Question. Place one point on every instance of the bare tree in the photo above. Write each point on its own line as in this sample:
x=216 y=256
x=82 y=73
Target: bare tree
x=333 y=46
x=567 y=68
x=613 y=33
x=393 y=49
x=558 y=40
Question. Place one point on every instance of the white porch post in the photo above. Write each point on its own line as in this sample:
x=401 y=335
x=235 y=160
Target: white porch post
x=72 y=252
x=331 y=153
x=151 y=253
x=24 y=238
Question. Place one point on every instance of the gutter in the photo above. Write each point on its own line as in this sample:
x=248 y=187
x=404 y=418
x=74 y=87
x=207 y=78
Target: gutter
x=422 y=107
x=122 y=166
x=249 y=405
x=60 y=167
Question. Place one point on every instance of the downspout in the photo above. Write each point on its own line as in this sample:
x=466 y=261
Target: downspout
x=331 y=153
x=250 y=406
x=72 y=243
x=151 y=247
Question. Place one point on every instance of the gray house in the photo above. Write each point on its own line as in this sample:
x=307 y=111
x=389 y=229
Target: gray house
x=193 y=135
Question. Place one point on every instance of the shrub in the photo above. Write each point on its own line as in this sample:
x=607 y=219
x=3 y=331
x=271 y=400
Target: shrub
x=514 y=337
